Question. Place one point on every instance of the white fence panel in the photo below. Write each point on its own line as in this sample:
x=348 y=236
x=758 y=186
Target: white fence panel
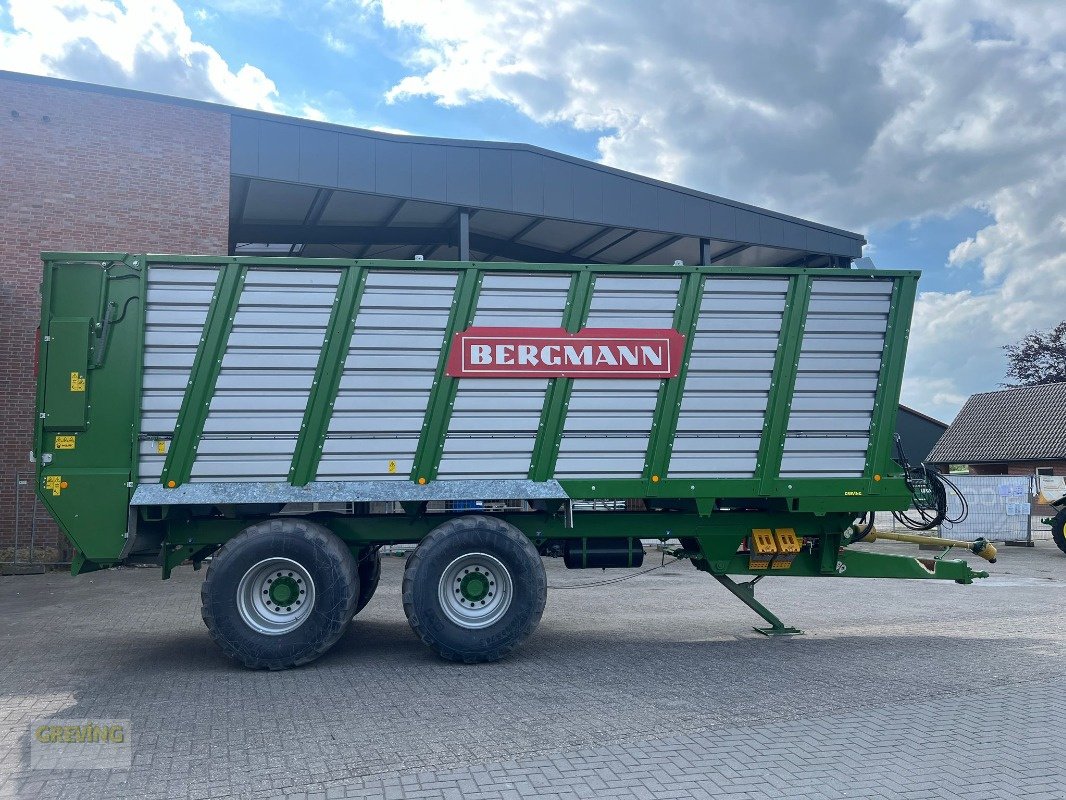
x=999 y=508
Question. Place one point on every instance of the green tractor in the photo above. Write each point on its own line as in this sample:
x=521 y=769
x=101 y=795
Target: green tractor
x=1052 y=490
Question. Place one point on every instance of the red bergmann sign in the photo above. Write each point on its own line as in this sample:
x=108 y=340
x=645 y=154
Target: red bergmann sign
x=554 y=353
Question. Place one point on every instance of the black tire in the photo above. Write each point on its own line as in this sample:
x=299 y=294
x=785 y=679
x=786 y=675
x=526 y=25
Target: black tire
x=509 y=550
x=1058 y=530
x=317 y=554
x=369 y=575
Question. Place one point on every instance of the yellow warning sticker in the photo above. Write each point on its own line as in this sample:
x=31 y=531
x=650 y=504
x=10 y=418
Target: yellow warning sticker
x=65 y=442
x=161 y=445
x=77 y=382
x=54 y=483
x=392 y=467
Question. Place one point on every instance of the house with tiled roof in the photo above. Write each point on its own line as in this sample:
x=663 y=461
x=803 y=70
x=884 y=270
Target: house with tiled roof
x=1018 y=431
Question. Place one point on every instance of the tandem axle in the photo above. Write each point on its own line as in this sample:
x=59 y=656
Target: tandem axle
x=502 y=549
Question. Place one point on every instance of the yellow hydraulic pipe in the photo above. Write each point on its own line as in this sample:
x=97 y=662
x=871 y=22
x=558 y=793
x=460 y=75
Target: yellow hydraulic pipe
x=979 y=547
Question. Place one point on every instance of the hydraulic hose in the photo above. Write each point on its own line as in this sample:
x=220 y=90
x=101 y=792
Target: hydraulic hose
x=929 y=489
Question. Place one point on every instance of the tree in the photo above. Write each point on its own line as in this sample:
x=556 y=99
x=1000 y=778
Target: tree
x=1039 y=358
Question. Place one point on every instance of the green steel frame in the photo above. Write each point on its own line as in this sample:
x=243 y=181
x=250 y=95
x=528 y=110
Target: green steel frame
x=206 y=368
x=668 y=403
x=890 y=383
x=327 y=380
x=718 y=540
x=783 y=383
x=442 y=395
x=100 y=473
x=557 y=395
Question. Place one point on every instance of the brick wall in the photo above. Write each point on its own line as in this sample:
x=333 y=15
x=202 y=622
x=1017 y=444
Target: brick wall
x=1018 y=468
x=83 y=170
x=1056 y=467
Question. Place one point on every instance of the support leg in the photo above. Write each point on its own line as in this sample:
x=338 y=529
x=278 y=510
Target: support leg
x=745 y=592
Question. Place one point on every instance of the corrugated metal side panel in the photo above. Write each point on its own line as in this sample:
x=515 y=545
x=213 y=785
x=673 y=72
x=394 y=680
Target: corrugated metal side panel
x=608 y=422
x=175 y=312
x=388 y=375
x=723 y=409
x=494 y=421
x=840 y=361
x=267 y=370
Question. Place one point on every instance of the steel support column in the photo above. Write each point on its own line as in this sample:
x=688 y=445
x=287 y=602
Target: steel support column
x=464 y=234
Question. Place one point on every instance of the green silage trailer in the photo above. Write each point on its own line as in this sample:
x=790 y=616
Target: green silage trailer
x=284 y=418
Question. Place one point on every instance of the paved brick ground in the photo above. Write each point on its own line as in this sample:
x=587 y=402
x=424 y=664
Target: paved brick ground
x=651 y=688
x=951 y=747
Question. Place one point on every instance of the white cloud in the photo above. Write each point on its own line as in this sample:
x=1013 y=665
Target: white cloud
x=336 y=43
x=858 y=112
x=148 y=45
x=1020 y=266
x=244 y=8
x=308 y=111
x=141 y=45
x=854 y=114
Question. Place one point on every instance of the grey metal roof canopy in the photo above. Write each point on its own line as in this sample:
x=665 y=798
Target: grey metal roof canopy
x=315 y=189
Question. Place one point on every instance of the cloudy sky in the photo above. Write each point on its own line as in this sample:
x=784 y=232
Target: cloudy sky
x=936 y=128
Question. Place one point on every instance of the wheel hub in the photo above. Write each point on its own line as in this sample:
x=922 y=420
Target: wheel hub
x=284 y=591
x=474 y=586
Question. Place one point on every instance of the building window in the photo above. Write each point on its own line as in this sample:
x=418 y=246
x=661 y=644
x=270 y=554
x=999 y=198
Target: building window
x=1045 y=470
